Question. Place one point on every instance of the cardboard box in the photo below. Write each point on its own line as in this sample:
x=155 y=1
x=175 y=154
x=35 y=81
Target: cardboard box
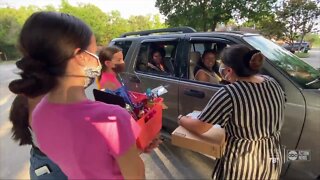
x=210 y=143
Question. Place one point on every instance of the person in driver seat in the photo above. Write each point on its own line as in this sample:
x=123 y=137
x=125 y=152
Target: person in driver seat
x=156 y=64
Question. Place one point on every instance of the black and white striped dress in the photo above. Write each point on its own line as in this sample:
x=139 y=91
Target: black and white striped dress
x=252 y=115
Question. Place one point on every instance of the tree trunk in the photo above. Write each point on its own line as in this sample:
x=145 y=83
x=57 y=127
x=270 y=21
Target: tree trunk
x=214 y=25
x=204 y=27
x=302 y=37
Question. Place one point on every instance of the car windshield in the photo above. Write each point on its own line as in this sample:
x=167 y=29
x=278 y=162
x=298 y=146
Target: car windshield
x=299 y=71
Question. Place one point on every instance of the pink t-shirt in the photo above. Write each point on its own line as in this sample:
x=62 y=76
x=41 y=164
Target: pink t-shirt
x=109 y=77
x=84 y=138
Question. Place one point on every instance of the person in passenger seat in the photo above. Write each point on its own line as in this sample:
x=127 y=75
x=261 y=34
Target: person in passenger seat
x=156 y=64
x=204 y=70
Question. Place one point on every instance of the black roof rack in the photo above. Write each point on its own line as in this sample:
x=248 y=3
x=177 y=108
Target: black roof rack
x=165 y=30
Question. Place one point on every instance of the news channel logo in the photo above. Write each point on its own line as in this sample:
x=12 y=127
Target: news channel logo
x=298 y=155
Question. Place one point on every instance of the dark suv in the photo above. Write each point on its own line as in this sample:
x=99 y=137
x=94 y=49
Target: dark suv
x=183 y=48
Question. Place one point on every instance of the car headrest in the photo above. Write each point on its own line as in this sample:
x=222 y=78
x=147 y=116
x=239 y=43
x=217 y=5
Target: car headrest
x=194 y=58
x=143 y=57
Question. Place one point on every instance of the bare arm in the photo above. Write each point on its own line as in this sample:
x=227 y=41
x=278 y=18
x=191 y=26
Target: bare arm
x=195 y=126
x=131 y=164
x=202 y=76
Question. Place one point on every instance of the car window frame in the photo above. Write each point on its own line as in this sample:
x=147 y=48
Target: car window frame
x=157 y=75
x=113 y=43
x=211 y=39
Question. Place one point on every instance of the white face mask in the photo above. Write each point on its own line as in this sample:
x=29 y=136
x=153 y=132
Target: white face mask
x=221 y=71
x=90 y=72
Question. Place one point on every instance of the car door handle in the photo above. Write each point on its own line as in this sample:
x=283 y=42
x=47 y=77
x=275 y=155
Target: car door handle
x=134 y=79
x=194 y=93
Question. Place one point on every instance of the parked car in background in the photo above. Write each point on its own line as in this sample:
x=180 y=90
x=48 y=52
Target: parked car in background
x=297 y=46
x=183 y=48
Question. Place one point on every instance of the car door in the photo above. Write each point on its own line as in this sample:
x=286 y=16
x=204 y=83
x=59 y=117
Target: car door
x=193 y=94
x=147 y=79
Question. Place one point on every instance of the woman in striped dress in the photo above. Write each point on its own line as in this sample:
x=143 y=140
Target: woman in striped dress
x=251 y=109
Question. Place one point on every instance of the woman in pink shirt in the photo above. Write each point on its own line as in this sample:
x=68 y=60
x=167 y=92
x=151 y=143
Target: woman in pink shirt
x=111 y=59
x=87 y=139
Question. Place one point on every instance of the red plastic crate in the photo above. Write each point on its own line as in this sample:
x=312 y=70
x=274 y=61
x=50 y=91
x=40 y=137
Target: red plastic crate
x=151 y=122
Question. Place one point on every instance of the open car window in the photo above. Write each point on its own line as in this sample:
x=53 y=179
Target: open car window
x=196 y=61
x=157 y=58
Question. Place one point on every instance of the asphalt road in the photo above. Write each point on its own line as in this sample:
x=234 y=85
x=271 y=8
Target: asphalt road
x=314 y=58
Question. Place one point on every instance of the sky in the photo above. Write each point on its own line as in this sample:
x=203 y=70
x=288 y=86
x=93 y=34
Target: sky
x=125 y=7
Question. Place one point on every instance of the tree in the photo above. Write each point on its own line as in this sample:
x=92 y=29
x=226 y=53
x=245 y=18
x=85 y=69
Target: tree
x=139 y=23
x=268 y=26
x=105 y=26
x=9 y=32
x=91 y=15
x=299 y=17
x=271 y=27
x=206 y=14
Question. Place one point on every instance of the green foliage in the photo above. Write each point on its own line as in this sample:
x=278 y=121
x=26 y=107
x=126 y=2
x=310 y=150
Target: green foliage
x=204 y=15
x=271 y=27
x=313 y=39
x=298 y=16
x=91 y=15
x=105 y=26
x=9 y=31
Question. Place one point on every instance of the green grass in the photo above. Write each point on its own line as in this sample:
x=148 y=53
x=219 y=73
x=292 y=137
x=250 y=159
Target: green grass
x=302 y=55
x=315 y=45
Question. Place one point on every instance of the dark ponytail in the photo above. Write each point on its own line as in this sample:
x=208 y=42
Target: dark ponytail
x=47 y=41
x=35 y=78
x=19 y=117
x=242 y=60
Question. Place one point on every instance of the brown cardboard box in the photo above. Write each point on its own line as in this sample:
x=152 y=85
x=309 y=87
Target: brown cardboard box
x=210 y=143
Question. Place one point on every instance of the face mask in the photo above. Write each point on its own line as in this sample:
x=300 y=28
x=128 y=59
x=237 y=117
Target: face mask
x=90 y=72
x=223 y=75
x=119 y=68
